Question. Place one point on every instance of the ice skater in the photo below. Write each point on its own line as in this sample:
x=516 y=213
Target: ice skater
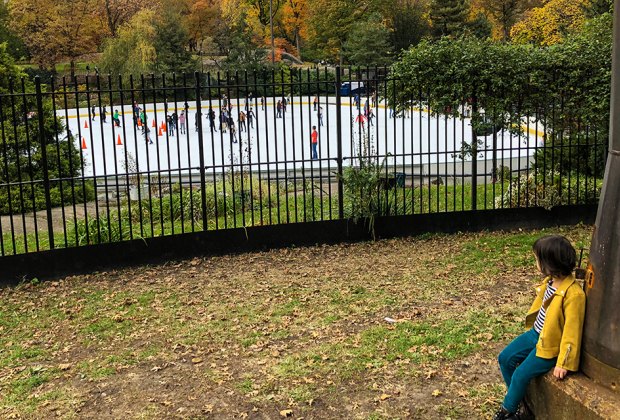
x=233 y=130
x=370 y=116
x=361 y=121
x=211 y=117
x=170 y=125
x=147 y=135
x=251 y=117
x=92 y=108
x=279 y=109
x=315 y=141
x=320 y=115
x=242 y=117
x=182 y=122
x=116 y=118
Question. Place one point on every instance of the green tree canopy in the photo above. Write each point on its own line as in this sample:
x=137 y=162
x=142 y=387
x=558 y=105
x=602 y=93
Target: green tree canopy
x=149 y=43
x=449 y=17
x=566 y=86
x=368 y=43
x=21 y=151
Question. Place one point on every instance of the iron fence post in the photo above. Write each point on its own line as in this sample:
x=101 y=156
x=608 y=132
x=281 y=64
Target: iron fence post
x=203 y=192
x=474 y=152
x=46 y=179
x=339 y=141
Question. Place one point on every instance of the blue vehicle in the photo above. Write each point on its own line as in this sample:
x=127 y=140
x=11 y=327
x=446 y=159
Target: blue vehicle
x=352 y=88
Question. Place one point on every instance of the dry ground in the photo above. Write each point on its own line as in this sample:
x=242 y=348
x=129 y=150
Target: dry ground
x=298 y=333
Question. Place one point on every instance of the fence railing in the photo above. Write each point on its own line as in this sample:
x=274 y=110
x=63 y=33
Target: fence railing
x=111 y=159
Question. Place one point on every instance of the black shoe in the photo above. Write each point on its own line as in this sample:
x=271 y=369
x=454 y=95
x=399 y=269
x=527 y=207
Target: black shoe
x=503 y=414
x=524 y=412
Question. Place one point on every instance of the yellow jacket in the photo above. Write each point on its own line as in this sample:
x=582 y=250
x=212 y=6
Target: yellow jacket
x=561 y=333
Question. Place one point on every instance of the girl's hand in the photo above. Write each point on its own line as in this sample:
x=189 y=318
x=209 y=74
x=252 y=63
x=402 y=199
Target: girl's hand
x=559 y=373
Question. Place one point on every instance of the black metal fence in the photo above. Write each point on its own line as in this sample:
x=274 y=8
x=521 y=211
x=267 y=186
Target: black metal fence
x=108 y=159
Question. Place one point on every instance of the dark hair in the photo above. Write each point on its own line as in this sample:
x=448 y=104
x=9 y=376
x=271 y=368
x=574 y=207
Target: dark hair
x=556 y=255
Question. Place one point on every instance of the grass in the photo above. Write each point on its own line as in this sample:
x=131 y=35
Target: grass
x=300 y=329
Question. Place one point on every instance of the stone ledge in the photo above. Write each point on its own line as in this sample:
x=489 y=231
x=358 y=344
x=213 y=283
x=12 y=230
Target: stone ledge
x=576 y=397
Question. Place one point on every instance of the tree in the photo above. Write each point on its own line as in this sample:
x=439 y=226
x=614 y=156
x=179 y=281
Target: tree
x=15 y=46
x=480 y=26
x=565 y=86
x=449 y=17
x=598 y=7
x=244 y=53
x=551 y=23
x=55 y=30
x=409 y=23
x=202 y=22
x=504 y=12
x=117 y=12
x=330 y=23
x=170 y=42
x=133 y=50
x=22 y=152
x=368 y=43
x=294 y=21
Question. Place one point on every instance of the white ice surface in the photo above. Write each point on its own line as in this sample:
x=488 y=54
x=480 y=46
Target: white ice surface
x=277 y=144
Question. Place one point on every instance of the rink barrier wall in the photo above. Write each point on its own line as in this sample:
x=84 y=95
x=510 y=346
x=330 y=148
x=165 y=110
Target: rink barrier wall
x=57 y=263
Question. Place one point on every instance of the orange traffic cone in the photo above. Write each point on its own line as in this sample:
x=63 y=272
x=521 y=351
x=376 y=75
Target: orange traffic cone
x=85 y=124
x=84 y=144
x=118 y=141
x=160 y=132
x=153 y=124
x=163 y=126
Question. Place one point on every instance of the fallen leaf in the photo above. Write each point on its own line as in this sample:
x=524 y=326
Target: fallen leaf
x=196 y=360
x=384 y=397
x=65 y=366
x=436 y=393
x=286 y=413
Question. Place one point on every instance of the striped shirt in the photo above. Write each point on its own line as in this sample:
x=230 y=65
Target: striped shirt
x=540 y=318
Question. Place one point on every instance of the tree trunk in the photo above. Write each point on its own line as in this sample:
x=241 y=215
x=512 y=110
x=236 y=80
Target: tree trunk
x=111 y=25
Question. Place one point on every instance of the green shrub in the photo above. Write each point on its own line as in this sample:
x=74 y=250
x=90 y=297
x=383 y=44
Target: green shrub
x=550 y=189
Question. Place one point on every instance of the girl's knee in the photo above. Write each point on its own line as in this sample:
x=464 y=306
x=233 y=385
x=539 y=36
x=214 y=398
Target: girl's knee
x=504 y=358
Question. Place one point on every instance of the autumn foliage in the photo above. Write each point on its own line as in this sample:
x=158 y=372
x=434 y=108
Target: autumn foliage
x=214 y=31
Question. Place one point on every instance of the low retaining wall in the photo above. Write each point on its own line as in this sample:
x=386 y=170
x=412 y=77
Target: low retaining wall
x=56 y=263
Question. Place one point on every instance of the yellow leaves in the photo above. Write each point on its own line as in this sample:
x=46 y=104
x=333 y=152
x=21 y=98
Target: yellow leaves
x=233 y=10
x=437 y=393
x=286 y=413
x=549 y=24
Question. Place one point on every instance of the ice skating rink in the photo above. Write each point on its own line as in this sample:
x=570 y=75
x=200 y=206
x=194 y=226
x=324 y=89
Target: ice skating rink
x=276 y=143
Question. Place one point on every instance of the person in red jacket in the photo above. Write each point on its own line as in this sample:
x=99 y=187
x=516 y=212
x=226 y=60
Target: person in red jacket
x=315 y=141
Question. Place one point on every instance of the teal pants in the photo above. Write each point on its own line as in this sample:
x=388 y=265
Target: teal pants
x=519 y=365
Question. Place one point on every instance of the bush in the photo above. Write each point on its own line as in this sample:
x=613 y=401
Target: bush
x=61 y=194
x=550 y=189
